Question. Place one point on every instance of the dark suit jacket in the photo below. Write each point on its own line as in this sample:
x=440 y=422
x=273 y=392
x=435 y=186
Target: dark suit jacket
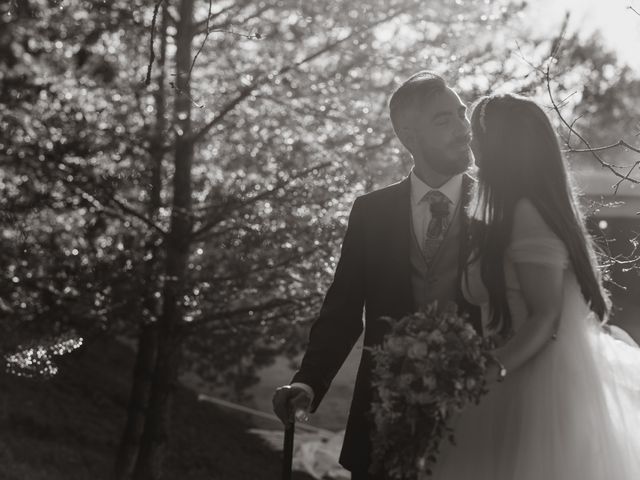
x=373 y=272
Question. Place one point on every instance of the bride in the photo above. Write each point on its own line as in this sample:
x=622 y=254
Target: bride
x=564 y=401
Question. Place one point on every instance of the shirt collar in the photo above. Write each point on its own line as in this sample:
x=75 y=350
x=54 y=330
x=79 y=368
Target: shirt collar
x=451 y=189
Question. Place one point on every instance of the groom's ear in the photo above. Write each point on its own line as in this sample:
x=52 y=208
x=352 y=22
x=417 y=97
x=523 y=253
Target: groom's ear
x=408 y=137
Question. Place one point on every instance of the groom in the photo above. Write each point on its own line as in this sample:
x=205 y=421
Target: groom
x=402 y=250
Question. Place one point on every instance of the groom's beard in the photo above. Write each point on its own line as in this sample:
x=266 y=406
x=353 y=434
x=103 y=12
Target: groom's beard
x=451 y=163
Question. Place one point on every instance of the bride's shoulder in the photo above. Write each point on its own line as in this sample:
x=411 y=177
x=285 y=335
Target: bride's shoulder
x=525 y=209
x=528 y=222
x=532 y=240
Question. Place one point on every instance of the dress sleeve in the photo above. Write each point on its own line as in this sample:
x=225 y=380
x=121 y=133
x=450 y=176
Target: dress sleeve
x=532 y=241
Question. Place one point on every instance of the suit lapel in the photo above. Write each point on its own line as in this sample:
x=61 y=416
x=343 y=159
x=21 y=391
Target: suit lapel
x=400 y=231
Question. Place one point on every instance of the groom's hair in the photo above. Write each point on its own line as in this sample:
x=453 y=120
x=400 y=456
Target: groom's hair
x=413 y=92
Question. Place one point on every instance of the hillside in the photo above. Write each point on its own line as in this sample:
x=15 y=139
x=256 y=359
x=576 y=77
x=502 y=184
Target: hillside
x=68 y=427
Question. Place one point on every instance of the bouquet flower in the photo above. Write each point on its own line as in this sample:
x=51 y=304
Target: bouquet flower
x=430 y=365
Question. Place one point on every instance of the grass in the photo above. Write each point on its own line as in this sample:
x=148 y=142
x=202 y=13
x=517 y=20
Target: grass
x=68 y=427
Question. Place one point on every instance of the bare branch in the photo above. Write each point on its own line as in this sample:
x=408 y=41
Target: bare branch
x=557 y=43
x=152 y=53
x=626 y=177
x=203 y=42
x=250 y=36
x=619 y=143
x=205 y=23
x=191 y=99
x=224 y=27
x=244 y=93
x=564 y=101
x=575 y=120
x=612 y=168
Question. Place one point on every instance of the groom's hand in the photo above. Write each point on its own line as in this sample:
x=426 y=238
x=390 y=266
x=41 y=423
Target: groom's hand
x=291 y=402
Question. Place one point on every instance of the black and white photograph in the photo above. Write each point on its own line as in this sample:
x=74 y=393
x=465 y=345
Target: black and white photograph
x=320 y=240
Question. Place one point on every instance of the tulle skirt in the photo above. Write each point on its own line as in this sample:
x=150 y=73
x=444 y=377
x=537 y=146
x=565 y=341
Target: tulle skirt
x=571 y=413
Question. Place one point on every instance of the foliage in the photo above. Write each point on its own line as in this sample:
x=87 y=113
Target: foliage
x=278 y=88
x=67 y=252
x=283 y=146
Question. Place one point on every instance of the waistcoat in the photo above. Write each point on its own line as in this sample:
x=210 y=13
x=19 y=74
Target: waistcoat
x=438 y=280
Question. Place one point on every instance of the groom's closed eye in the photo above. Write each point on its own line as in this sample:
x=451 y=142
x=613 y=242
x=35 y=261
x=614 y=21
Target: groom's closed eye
x=442 y=118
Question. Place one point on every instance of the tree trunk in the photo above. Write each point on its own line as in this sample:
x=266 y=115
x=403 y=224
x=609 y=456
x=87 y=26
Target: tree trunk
x=157 y=424
x=148 y=336
x=139 y=396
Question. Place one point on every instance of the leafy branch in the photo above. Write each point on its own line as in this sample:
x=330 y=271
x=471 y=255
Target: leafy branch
x=225 y=316
x=268 y=77
x=266 y=267
x=238 y=204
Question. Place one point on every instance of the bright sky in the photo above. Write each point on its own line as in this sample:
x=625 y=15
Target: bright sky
x=618 y=24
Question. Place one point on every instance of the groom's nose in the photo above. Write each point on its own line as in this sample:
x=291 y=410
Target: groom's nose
x=467 y=126
x=463 y=128
x=462 y=136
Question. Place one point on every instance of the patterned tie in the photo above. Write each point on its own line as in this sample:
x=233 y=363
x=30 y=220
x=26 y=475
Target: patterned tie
x=439 y=205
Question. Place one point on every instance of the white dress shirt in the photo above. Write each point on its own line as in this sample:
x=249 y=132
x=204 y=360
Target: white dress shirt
x=421 y=210
x=421 y=215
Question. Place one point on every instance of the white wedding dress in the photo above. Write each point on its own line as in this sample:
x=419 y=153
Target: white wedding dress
x=573 y=411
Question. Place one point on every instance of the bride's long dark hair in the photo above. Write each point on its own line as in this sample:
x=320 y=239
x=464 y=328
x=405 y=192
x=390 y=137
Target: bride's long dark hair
x=519 y=156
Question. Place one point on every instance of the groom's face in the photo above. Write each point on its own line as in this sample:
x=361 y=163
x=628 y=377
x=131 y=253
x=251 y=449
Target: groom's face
x=442 y=133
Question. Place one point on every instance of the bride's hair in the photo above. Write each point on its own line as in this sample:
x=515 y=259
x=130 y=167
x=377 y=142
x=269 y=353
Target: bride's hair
x=519 y=156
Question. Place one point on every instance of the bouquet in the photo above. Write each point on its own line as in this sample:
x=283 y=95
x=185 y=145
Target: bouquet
x=430 y=365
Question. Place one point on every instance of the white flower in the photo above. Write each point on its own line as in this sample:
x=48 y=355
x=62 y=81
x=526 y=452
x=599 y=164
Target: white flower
x=417 y=351
x=395 y=345
x=429 y=382
x=436 y=337
x=405 y=379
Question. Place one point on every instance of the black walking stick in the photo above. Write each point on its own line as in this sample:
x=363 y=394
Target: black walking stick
x=287 y=459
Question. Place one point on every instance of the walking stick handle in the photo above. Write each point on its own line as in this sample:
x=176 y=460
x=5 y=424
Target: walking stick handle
x=287 y=459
